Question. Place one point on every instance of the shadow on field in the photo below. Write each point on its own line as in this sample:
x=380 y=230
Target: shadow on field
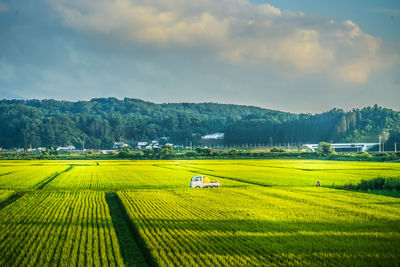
x=9 y=201
x=128 y=238
x=307 y=242
x=46 y=181
x=7 y=173
x=263 y=226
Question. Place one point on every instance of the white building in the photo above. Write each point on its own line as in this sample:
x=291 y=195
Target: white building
x=65 y=148
x=339 y=146
x=214 y=136
x=120 y=145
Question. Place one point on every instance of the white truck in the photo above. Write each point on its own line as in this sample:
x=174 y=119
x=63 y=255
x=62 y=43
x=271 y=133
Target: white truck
x=199 y=181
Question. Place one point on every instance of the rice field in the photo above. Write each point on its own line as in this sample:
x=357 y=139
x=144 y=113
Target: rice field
x=138 y=213
x=258 y=225
x=57 y=229
x=27 y=176
x=292 y=172
x=117 y=177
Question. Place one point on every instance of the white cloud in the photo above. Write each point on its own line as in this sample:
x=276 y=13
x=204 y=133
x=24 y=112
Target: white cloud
x=360 y=54
x=300 y=50
x=233 y=30
x=142 y=23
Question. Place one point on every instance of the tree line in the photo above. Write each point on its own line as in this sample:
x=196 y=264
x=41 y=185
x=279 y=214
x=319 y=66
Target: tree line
x=336 y=125
x=101 y=121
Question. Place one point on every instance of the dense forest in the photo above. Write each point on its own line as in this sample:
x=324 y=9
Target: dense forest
x=99 y=122
x=358 y=125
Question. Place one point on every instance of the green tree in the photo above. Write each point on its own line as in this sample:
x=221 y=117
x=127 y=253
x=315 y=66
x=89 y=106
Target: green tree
x=233 y=152
x=147 y=152
x=167 y=152
x=124 y=153
x=325 y=149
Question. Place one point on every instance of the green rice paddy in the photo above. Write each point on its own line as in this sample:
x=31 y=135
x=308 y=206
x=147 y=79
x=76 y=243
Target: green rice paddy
x=135 y=213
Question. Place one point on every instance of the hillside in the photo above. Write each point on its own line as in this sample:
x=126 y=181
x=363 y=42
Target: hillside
x=99 y=122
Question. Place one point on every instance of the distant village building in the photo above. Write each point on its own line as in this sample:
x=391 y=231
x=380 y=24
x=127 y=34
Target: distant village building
x=120 y=145
x=106 y=152
x=65 y=148
x=345 y=147
x=213 y=140
x=158 y=143
x=153 y=144
x=216 y=136
x=34 y=150
x=141 y=144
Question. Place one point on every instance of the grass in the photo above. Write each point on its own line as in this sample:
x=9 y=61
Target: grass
x=379 y=186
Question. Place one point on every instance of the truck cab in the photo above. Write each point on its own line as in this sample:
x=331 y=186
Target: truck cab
x=198 y=181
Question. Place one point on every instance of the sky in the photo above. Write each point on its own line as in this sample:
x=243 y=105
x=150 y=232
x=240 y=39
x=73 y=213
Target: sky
x=303 y=56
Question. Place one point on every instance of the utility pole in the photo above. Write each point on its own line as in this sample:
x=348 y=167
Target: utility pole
x=380 y=144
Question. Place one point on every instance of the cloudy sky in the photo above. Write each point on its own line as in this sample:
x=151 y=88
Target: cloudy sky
x=290 y=55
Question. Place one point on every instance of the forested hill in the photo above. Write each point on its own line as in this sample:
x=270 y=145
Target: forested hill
x=100 y=122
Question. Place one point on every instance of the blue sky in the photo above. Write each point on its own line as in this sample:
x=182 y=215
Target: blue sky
x=298 y=56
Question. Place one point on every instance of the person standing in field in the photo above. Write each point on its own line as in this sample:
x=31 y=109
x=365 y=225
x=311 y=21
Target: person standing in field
x=318 y=183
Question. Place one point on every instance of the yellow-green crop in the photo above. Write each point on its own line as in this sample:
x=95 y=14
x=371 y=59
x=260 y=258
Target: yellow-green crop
x=266 y=226
x=291 y=172
x=267 y=212
x=58 y=229
x=5 y=195
x=27 y=176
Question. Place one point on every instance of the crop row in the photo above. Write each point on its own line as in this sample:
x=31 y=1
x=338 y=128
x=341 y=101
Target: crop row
x=262 y=226
x=58 y=229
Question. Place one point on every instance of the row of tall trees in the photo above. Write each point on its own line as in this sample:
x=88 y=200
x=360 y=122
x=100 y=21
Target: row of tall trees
x=358 y=125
